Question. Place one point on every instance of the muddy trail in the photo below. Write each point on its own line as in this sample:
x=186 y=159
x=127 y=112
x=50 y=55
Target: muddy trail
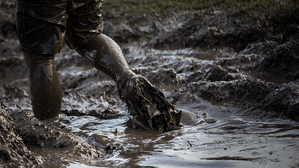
x=235 y=78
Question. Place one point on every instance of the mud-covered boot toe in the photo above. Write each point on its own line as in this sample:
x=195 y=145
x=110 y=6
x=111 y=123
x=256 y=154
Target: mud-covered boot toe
x=147 y=105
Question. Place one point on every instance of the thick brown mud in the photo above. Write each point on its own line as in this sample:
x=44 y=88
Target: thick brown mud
x=236 y=81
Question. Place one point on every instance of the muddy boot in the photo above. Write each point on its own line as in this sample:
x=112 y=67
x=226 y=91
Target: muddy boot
x=45 y=89
x=147 y=105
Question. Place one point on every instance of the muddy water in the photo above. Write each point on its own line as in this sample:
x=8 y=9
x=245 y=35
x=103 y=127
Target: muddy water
x=213 y=135
x=218 y=138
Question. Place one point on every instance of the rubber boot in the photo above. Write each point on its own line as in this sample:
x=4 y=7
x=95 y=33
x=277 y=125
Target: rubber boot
x=45 y=89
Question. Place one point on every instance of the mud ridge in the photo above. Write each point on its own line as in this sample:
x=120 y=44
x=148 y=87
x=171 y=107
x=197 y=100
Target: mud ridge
x=275 y=100
x=13 y=151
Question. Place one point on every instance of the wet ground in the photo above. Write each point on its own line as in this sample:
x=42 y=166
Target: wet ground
x=240 y=102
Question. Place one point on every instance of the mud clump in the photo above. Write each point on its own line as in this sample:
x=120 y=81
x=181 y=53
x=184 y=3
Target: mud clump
x=283 y=60
x=217 y=74
x=165 y=77
x=263 y=99
x=13 y=151
x=44 y=134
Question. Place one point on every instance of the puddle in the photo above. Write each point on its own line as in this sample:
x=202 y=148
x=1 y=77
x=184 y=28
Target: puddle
x=219 y=136
x=198 y=53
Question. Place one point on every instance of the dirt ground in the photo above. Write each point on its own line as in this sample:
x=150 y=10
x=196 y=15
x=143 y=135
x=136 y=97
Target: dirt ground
x=232 y=58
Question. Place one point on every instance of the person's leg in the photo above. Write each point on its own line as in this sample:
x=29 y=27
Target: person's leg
x=45 y=89
x=105 y=55
x=147 y=105
x=41 y=28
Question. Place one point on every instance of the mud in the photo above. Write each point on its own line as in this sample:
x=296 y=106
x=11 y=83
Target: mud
x=234 y=75
x=13 y=151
